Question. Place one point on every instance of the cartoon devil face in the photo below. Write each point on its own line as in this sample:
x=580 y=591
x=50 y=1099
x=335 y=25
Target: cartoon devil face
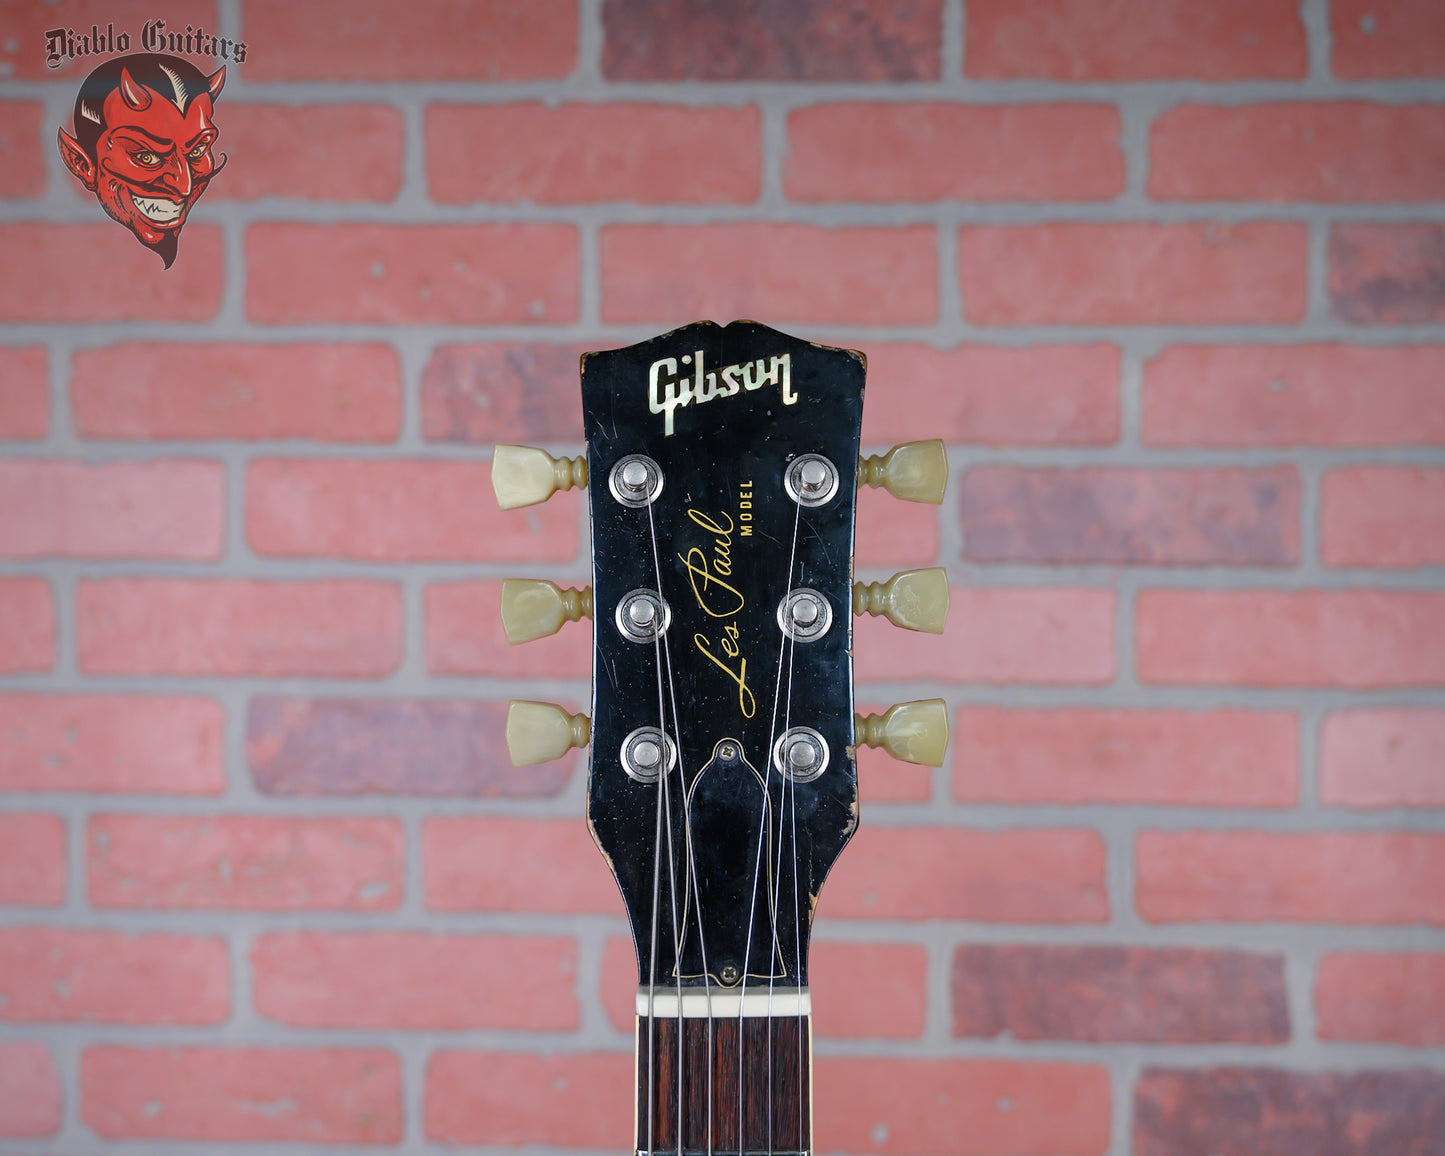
x=143 y=143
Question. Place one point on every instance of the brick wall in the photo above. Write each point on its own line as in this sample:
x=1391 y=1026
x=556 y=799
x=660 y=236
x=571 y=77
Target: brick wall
x=1169 y=277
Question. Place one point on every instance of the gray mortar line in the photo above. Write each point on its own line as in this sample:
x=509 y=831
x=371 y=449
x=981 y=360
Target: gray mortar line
x=1315 y=16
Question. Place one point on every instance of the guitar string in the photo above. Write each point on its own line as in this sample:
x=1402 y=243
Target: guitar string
x=788 y=792
x=797 y=939
x=691 y=869
x=652 y=959
x=762 y=830
x=664 y=807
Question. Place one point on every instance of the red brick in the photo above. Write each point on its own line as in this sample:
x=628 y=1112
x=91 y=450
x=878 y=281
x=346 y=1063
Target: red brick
x=1382 y=516
x=519 y=274
x=1312 y=151
x=1146 y=517
x=351 y=746
x=1360 y=877
x=30 y=1095
x=575 y=1100
x=1382 y=758
x=991 y=395
x=649 y=154
x=319 y=1095
x=27 y=625
x=67 y=975
x=157 y=392
x=787 y=273
x=1238 y=1110
x=111 y=743
x=1387 y=274
x=32 y=860
x=1222 y=758
x=22 y=163
x=42 y=284
x=893 y=975
x=618 y=978
x=935 y=152
x=1387 y=38
x=1038 y=635
x=415 y=981
x=397 y=511
x=1133 y=274
x=1134 y=40
x=22 y=49
x=1356 y=638
x=884 y=779
x=893 y=533
x=503 y=392
x=313 y=152
x=960 y=1107
x=24 y=392
x=1284 y=395
x=806 y=40
x=1106 y=994
x=496 y=863
x=244 y=863
x=165 y=509
x=464 y=636
x=341 y=628
x=1381 y=997
x=1014 y=876
x=373 y=41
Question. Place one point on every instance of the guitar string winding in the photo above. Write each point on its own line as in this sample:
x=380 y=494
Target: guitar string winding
x=691 y=868
x=783 y=650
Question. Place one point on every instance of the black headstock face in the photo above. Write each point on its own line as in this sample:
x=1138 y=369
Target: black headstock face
x=723 y=783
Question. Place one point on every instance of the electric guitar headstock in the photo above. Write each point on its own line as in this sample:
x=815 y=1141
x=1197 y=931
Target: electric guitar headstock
x=722 y=466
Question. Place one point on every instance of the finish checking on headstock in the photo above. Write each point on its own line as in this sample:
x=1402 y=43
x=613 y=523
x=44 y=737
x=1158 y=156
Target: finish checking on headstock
x=722 y=466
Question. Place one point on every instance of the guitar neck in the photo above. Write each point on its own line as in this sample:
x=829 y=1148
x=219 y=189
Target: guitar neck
x=721 y=472
x=727 y=1083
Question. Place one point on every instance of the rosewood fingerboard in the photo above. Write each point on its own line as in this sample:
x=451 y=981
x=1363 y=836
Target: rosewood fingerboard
x=775 y=1113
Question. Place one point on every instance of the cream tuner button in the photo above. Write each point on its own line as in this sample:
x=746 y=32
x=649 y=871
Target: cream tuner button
x=912 y=599
x=524 y=475
x=916 y=732
x=534 y=608
x=913 y=471
x=538 y=732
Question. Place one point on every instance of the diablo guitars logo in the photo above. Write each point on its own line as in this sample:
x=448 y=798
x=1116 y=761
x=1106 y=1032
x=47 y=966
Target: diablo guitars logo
x=142 y=143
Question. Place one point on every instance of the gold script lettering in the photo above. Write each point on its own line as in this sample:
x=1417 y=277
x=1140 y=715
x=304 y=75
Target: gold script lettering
x=746 y=703
x=703 y=578
x=718 y=598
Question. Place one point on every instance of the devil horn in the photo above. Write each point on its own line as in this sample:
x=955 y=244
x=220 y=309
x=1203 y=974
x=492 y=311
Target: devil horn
x=216 y=81
x=133 y=94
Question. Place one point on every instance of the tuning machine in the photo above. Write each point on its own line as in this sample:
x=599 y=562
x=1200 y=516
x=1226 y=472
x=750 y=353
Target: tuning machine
x=916 y=732
x=525 y=475
x=534 y=608
x=538 y=732
x=912 y=599
x=913 y=471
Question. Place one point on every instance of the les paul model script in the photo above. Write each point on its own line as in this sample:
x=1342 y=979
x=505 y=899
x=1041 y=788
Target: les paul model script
x=721 y=467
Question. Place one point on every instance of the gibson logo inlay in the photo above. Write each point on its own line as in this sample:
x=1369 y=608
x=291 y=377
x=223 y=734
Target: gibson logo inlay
x=718 y=598
x=704 y=385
